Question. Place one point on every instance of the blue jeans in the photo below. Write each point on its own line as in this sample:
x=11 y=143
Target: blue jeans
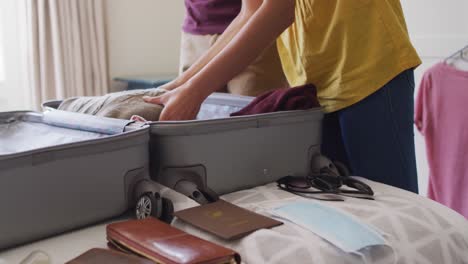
x=375 y=136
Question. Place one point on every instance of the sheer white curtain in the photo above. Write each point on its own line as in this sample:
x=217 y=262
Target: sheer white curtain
x=66 y=48
x=53 y=49
x=12 y=93
x=2 y=60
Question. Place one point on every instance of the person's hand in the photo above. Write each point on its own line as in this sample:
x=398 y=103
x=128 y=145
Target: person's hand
x=138 y=118
x=179 y=104
x=169 y=86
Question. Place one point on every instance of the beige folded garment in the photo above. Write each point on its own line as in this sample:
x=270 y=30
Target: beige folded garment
x=122 y=105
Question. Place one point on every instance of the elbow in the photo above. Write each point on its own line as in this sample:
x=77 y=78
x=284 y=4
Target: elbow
x=249 y=8
x=290 y=11
x=283 y=10
x=289 y=18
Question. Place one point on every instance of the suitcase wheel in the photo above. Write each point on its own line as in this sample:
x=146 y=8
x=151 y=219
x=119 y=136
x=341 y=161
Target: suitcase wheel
x=148 y=204
x=167 y=210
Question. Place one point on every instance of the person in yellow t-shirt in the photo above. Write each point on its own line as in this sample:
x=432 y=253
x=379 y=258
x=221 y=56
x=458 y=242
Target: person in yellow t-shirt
x=358 y=55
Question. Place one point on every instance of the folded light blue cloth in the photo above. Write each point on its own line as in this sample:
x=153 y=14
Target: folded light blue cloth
x=338 y=228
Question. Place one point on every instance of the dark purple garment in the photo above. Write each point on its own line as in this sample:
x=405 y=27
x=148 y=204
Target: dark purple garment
x=286 y=99
x=208 y=17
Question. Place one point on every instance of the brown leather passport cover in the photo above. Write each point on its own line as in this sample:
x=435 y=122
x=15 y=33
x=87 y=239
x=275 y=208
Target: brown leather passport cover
x=163 y=243
x=225 y=219
x=105 y=256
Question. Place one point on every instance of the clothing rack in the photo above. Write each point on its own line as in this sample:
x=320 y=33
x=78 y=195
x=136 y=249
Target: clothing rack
x=459 y=54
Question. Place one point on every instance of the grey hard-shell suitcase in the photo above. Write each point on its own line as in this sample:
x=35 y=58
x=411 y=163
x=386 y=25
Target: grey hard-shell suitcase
x=60 y=171
x=218 y=154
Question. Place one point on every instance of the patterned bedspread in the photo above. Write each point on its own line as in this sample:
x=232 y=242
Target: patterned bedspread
x=417 y=229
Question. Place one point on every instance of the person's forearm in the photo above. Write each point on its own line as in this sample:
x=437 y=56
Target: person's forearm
x=236 y=25
x=266 y=24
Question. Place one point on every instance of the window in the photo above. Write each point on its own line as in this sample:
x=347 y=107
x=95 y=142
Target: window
x=13 y=91
x=2 y=60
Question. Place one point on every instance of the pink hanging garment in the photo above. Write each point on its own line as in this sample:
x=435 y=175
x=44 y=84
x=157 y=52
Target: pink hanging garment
x=441 y=115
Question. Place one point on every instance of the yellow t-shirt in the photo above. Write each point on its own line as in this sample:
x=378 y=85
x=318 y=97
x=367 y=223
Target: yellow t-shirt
x=347 y=48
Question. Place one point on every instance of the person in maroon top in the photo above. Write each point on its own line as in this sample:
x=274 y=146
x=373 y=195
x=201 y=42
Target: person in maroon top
x=205 y=21
x=209 y=17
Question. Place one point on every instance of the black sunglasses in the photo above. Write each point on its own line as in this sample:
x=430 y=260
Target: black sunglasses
x=326 y=184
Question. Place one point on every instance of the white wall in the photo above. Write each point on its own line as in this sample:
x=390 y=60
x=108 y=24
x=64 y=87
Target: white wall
x=3 y=100
x=143 y=36
x=438 y=28
x=2 y=61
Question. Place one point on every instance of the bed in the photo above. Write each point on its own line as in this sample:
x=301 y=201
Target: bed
x=418 y=229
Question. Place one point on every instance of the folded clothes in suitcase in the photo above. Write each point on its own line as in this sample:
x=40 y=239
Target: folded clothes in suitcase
x=61 y=170
x=217 y=154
